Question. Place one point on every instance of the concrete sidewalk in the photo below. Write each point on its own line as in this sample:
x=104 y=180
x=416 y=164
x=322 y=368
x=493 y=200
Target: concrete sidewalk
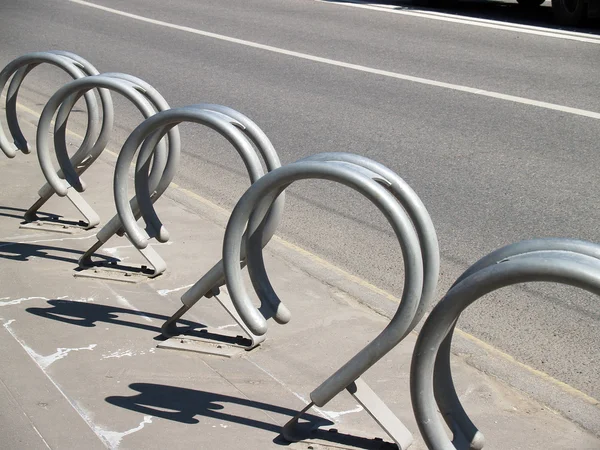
x=81 y=367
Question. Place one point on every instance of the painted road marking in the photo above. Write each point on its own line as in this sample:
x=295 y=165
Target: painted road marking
x=345 y=65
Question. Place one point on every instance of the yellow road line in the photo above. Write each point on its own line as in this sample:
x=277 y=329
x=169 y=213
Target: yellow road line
x=364 y=283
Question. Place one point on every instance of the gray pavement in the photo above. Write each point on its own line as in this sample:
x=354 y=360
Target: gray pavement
x=491 y=172
x=81 y=367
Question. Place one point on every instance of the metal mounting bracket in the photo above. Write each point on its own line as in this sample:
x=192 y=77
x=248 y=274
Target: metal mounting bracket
x=116 y=272
x=211 y=340
x=308 y=432
x=59 y=224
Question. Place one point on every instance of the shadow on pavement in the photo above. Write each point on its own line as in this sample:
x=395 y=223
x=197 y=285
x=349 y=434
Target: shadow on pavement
x=183 y=405
x=18 y=213
x=89 y=314
x=23 y=251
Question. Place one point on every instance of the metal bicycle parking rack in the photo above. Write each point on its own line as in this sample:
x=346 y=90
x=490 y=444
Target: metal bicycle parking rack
x=76 y=67
x=565 y=261
x=249 y=141
x=148 y=101
x=244 y=135
x=154 y=148
x=207 y=285
x=417 y=238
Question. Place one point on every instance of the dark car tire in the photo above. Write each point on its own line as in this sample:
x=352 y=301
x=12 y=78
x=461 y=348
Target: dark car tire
x=569 y=12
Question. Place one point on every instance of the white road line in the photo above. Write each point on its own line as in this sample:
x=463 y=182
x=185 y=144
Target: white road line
x=357 y=67
x=474 y=21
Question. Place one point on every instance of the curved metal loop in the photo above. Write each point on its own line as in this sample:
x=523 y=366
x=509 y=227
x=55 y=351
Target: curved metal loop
x=407 y=198
x=269 y=155
x=417 y=212
x=272 y=184
x=87 y=153
x=68 y=95
x=155 y=99
x=532 y=245
x=148 y=133
x=82 y=159
x=75 y=66
x=254 y=134
x=239 y=130
x=570 y=262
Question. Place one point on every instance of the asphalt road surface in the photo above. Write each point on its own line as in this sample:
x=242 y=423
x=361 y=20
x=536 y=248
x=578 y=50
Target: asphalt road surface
x=450 y=102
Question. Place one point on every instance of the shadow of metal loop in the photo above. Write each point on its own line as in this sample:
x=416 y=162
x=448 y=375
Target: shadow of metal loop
x=566 y=261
